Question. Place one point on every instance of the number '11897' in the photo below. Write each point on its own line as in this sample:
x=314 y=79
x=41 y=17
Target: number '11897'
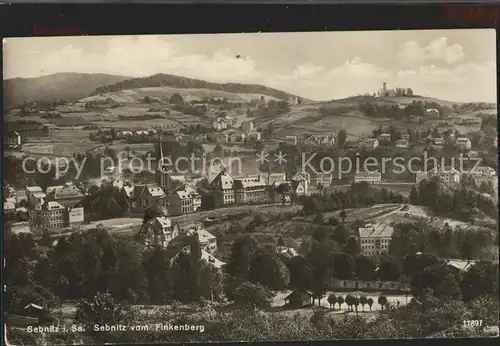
x=473 y=323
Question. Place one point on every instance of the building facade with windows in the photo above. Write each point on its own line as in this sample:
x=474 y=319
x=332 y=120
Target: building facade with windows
x=53 y=215
x=369 y=177
x=221 y=189
x=250 y=190
x=375 y=239
x=184 y=200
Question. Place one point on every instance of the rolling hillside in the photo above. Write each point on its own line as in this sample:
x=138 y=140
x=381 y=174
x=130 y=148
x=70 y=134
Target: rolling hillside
x=165 y=92
x=331 y=116
x=177 y=82
x=59 y=86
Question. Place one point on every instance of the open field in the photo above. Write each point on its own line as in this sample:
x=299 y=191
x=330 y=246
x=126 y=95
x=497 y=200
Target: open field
x=366 y=212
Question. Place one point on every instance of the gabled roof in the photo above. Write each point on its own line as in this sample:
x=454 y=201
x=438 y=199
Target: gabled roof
x=377 y=230
x=223 y=181
x=185 y=192
x=34 y=189
x=67 y=192
x=153 y=189
x=161 y=222
x=303 y=295
x=32 y=305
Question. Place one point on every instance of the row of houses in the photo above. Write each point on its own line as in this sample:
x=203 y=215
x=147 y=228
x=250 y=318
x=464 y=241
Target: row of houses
x=450 y=175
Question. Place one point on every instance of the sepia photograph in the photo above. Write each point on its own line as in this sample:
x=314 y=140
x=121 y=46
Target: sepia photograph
x=266 y=187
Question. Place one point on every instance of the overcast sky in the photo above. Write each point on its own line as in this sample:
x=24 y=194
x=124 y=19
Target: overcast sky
x=456 y=65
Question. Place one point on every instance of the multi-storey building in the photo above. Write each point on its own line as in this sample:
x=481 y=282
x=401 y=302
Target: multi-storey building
x=221 y=189
x=325 y=179
x=184 y=200
x=369 y=177
x=374 y=239
x=250 y=190
x=53 y=215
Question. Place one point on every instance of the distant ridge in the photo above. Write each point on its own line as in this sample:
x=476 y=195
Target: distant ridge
x=60 y=86
x=166 y=80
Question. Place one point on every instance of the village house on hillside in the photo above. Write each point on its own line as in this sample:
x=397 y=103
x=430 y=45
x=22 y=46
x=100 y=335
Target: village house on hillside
x=432 y=112
x=208 y=242
x=293 y=101
x=375 y=239
x=219 y=124
x=159 y=231
x=402 y=143
x=384 y=138
x=369 y=143
x=14 y=140
x=463 y=143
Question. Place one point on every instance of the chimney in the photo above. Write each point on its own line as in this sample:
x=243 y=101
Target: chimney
x=384 y=86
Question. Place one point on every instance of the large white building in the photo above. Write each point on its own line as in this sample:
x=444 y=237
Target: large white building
x=369 y=177
x=446 y=174
x=374 y=239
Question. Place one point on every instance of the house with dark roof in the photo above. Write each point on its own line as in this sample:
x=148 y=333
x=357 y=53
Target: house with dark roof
x=221 y=189
x=146 y=195
x=299 y=299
